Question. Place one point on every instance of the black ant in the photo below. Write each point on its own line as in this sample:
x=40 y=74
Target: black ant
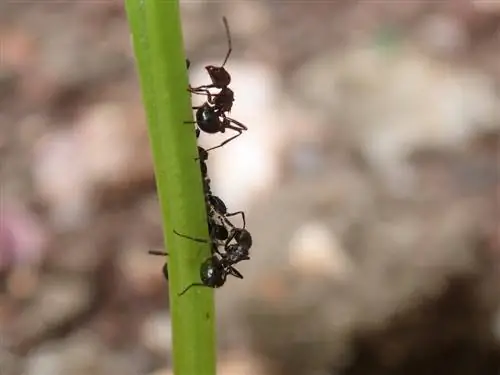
x=213 y=271
x=211 y=120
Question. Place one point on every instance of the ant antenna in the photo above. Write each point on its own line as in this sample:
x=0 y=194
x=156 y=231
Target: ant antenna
x=189 y=287
x=190 y=238
x=155 y=252
x=229 y=43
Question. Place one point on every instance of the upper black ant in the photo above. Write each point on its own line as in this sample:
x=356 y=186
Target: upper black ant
x=211 y=120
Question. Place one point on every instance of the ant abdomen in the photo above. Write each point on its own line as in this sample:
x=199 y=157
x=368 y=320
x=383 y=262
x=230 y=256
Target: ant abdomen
x=208 y=120
x=212 y=273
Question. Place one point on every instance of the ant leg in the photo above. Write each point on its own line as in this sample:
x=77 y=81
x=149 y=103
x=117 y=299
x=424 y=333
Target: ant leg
x=230 y=238
x=190 y=238
x=238 y=125
x=203 y=87
x=239 y=213
x=233 y=271
x=189 y=287
x=226 y=220
x=156 y=252
x=227 y=140
x=199 y=91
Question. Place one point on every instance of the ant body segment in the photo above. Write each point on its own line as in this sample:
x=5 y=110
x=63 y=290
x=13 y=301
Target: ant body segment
x=222 y=101
x=211 y=120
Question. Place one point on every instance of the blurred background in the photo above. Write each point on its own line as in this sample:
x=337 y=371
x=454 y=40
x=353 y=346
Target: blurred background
x=370 y=178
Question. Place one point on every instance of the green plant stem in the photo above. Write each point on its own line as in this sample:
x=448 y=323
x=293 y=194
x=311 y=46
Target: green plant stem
x=157 y=38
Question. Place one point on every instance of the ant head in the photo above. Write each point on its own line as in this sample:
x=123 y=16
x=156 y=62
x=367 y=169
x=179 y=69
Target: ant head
x=219 y=75
x=243 y=238
x=212 y=274
x=243 y=235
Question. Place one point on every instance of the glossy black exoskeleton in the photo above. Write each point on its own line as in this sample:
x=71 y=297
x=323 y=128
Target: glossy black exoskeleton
x=213 y=273
x=210 y=120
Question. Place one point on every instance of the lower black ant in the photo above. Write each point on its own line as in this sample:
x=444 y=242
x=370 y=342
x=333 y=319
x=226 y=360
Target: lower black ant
x=213 y=271
x=210 y=120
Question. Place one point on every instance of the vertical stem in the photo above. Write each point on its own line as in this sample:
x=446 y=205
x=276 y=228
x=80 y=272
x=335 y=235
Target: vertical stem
x=158 y=45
